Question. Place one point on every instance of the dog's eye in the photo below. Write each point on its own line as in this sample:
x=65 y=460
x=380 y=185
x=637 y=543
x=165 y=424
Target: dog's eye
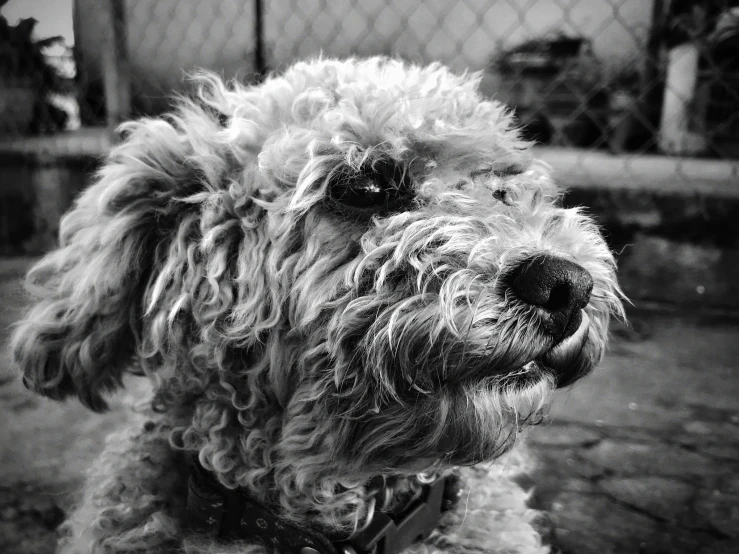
x=499 y=170
x=383 y=187
x=363 y=192
x=508 y=170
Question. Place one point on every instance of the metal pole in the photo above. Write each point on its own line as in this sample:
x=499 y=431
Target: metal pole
x=117 y=79
x=260 y=64
x=652 y=94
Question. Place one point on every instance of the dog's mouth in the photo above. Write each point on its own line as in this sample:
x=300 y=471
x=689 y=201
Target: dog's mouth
x=563 y=360
x=422 y=347
x=566 y=360
x=462 y=399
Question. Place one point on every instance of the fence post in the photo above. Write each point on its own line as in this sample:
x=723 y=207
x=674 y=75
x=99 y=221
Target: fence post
x=260 y=64
x=652 y=95
x=116 y=71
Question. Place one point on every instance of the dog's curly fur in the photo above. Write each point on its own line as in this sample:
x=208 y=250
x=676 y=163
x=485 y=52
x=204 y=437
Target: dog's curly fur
x=299 y=344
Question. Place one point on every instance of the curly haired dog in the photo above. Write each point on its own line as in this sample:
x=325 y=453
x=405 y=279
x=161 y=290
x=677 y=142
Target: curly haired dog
x=348 y=284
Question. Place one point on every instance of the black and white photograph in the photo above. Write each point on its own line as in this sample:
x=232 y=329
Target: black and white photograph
x=369 y=276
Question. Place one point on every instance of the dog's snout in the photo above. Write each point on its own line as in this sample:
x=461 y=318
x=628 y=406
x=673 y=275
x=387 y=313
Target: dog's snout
x=559 y=287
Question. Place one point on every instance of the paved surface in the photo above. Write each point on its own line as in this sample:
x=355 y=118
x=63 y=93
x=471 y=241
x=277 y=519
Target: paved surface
x=44 y=445
x=641 y=457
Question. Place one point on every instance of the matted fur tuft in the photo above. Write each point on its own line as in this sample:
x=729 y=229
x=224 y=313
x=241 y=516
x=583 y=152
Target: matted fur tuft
x=300 y=348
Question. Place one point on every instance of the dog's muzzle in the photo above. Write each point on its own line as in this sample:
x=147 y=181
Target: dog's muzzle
x=558 y=288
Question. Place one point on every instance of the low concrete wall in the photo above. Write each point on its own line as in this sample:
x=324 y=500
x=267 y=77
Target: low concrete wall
x=39 y=179
x=35 y=191
x=674 y=249
x=677 y=241
x=673 y=222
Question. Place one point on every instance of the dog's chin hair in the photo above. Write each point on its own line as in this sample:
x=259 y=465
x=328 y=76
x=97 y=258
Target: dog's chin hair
x=458 y=425
x=484 y=419
x=491 y=414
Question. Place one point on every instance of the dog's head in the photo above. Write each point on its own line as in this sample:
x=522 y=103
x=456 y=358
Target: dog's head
x=351 y=268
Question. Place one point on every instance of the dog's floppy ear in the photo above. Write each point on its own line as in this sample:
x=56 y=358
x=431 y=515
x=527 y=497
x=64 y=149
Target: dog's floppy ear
x=81 y=333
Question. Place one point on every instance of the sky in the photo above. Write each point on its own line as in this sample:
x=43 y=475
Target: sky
x=54 y=16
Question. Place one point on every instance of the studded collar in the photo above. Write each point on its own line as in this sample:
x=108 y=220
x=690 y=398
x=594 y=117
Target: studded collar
x=234 y=515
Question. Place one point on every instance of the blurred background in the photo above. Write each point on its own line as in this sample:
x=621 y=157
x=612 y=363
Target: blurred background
x=635 y=104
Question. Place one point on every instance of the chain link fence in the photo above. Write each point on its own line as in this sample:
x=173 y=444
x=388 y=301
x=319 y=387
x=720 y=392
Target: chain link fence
x=630 y=77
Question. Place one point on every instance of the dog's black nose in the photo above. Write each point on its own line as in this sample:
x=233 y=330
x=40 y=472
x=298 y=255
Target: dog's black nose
x=559 y=287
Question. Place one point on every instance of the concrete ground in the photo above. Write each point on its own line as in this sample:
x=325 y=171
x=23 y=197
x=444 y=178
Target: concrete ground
x=640 y=457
